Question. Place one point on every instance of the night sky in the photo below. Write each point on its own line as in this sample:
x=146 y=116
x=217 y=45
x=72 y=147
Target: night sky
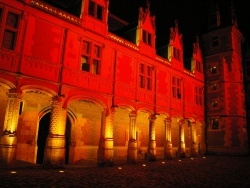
x=190 y=14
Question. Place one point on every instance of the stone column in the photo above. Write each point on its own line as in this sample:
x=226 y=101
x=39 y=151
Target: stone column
x=193 y=146
x=151 y=153
x=181 y=148
x=168 y=142
x=132 y=144
x=54 y=153
x=8 y=139
x=105 y=151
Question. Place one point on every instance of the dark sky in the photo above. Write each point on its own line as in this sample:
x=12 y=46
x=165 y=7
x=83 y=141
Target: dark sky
x=190 y=14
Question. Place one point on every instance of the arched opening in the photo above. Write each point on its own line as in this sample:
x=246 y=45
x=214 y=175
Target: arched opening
x=43 y=132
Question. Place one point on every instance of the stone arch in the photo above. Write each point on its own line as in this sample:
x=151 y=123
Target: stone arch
x=98 y=102
x=6 y=84
x=121 y=125
x=175 y=134
x=43 y=131
x=160 y=132
x=142 y=126
x=5 y=87
x=36 y=109
x=87 y=116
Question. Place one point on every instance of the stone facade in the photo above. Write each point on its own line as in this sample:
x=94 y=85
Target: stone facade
x=85 y=93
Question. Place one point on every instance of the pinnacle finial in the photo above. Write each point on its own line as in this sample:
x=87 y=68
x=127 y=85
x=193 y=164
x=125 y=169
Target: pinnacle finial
x=148 y=3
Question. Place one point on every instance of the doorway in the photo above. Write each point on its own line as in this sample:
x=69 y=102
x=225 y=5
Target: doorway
x=43 y=133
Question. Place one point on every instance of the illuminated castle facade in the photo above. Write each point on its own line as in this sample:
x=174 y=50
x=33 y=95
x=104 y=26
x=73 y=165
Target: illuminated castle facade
x=75 y=86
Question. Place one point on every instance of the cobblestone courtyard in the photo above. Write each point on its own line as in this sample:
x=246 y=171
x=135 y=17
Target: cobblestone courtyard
x=209 y=171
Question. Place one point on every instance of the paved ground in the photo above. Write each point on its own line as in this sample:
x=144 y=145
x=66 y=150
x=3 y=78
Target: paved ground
x=210 y=171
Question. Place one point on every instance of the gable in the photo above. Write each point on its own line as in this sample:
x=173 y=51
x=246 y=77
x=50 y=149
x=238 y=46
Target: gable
x=176 y=37
x=146 y=21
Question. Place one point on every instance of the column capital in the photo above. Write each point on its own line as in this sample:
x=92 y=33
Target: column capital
x=16 y=95
x=133 y=113
x=152 y=117
x=108 y=111
x=192 y=122
x=168 y=120
x=181 y=121
x=58 y=98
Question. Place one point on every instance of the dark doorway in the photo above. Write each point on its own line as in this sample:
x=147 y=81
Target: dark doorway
x=43 y=132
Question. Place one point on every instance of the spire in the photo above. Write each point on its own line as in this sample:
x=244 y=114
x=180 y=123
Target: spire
x=233 y=14
x=148 y=3
x=214 y=19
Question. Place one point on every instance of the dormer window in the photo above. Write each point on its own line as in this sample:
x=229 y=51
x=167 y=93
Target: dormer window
x=147 y=37
x=177 y=54
x=95 y=10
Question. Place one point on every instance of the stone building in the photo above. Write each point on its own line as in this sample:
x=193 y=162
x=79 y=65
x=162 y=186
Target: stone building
x=77 y=84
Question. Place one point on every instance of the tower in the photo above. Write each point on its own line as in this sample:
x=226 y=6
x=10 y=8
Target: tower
x=225 y=99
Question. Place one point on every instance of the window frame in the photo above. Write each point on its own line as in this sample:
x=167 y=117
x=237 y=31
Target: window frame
x=199 y=95
x=214 y=87
x=9 y=28
x=177 y=87
x=213 y=70
x=177 y=53
x=145 y=76
x=90 y=58
x=147 y=37
x=214 y=124
x=214 y=103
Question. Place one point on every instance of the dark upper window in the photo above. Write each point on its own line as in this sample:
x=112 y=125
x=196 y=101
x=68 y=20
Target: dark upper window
x=9 y=27
x=95 y=10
